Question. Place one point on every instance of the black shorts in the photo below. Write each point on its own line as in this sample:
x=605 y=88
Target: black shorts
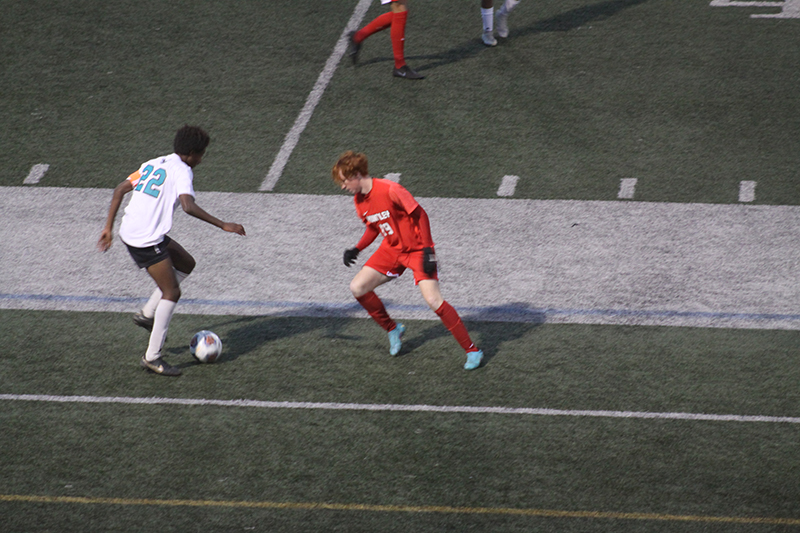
x=147 y=257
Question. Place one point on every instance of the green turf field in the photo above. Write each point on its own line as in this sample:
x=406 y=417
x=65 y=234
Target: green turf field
x=413 y=460
x=687 y=98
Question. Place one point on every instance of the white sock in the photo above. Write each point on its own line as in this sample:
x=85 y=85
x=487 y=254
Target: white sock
x=149 y=308
x=161 y=320
x=487 y=14
x=508 y=6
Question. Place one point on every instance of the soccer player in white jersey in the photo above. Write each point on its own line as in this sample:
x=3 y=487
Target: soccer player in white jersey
x=158 y=187
x=490 y=18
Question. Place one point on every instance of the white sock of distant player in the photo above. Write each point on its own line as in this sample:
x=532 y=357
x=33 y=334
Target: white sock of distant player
x=149 y=308
x=508 y=6
x=161 y=320
x=487 y=14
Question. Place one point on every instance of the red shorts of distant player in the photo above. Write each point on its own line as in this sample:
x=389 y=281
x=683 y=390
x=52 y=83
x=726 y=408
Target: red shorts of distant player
x=392 y=263
x=387 y=1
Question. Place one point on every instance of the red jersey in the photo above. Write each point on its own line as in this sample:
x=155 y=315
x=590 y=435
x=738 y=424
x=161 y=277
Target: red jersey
x=387 y=209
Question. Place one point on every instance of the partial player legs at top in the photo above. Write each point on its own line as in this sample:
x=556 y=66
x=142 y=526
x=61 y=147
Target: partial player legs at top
x=396 y=20
x=499 y=19
x=487 y=17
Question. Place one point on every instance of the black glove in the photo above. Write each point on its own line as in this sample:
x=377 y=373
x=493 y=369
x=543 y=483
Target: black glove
x=428 y=261
x=350 y=256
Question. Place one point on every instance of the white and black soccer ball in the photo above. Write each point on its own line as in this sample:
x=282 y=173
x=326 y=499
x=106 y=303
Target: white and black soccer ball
x=205 y=346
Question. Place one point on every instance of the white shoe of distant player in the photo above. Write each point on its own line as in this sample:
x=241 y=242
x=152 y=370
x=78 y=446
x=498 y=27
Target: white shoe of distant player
x=488 y=39
x=501 y=23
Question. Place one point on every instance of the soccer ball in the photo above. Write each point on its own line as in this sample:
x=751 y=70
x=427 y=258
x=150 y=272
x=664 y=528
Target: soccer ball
x=205 y=346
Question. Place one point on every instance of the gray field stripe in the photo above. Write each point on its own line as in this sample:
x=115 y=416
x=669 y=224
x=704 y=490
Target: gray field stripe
x=334 y=406
x=587 y=262
x=293 y=137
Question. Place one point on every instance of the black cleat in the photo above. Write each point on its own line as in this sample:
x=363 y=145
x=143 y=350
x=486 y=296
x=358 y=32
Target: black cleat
x=408 y=73
x=354 y=47
x=143 y=322
x=159 y=366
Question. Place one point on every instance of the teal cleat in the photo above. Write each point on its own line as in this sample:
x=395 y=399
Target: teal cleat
x=473 y=360
x=394 y=339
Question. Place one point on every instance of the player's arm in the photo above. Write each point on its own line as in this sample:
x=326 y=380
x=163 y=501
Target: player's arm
x=107 y=235
x=422 y=221
x=190 y=207
x=351 y=254
x=429 y=263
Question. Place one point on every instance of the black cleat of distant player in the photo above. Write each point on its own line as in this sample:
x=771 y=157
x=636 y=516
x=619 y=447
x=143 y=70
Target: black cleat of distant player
x=354 y=47
x=408 y=73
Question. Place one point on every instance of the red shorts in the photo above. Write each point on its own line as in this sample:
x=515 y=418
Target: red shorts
x=392 y=263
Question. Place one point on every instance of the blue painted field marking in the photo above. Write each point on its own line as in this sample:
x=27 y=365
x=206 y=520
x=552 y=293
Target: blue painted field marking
x=501 y=313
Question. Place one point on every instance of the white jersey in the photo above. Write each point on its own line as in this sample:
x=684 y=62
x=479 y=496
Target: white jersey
x=157 y=186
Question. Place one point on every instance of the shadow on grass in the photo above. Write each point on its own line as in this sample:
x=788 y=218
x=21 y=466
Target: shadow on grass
x=490 y=326
x=251 y=332
x=567 y=21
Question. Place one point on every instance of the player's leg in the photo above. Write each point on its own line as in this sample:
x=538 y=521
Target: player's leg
x=380 y=23
x=398 y=32
x=163 y=273
x=451 y=320
x=398 y=36
x=487 y=16
x=182 y=260
x=184 y=263
x=501 y=17
x=363 y=288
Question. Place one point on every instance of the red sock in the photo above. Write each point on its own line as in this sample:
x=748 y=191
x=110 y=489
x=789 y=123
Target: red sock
x=398 y=34
x=380 y=23
x=377 y=311
x=453 y=322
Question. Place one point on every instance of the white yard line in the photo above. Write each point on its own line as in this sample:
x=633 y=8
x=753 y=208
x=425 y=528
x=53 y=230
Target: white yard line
x=790 y=9
x=627 y=188
x=747 y=191
x=293 y=137
x=335 y=406
x=508 y=186
x=36 y=174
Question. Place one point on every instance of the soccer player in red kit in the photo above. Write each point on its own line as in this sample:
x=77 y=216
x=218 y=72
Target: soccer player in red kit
x=396 y=20
x=388 y=209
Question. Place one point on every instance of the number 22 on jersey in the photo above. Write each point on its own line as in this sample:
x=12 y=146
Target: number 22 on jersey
x=150 y=181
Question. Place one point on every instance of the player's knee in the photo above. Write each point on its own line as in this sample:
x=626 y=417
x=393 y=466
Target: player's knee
x=357 y=289
x=172 y=294
x=434 y=302
x=187 y=264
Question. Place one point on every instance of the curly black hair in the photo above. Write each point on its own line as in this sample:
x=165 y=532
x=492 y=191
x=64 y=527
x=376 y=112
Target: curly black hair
x=190 y=139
